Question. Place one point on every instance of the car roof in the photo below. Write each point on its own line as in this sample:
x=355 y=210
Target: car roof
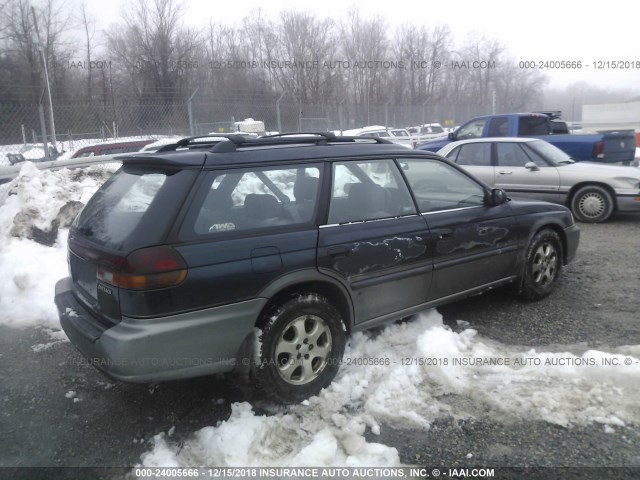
x=118 y=144
x=517 y=114
x=498 y=140
x=278 y=148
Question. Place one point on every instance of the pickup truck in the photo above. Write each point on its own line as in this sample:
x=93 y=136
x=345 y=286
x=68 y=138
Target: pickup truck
x=609 y=147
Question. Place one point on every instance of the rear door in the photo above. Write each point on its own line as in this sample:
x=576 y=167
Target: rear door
x=246 y=228
x=374 y=242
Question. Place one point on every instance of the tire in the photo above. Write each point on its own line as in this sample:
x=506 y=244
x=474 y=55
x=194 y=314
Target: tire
x=543 y=263
x=592 y=204
x=302 y=344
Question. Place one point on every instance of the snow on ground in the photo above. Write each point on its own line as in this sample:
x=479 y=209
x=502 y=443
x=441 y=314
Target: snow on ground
x=558 y=387
x=382 y=382
x=31 y=269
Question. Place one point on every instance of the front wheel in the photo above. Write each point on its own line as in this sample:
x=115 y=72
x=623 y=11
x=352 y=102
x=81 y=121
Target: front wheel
x=592 y=204
x=301 y=347
x=542 y=265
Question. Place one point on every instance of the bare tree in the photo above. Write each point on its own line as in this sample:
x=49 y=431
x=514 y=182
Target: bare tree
x=88 y=25
x=22 y=49
x=156 y=50
x=362 y=41
x=302 y=46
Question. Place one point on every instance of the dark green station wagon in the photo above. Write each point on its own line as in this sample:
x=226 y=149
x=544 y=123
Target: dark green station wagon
x=263 y=255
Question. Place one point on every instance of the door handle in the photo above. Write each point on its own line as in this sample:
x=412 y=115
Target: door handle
x=505 y=172
x=339 y=251
x=445 y=234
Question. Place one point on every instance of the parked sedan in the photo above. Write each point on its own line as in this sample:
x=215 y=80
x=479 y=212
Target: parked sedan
x=537 y=169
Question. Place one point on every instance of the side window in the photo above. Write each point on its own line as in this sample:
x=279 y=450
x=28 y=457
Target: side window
x=478 y=154
x=534 y=125
x=258 y=198
x=471 y=130
x=511 y=155
x=368 y=190
x=498 y=127
x=438 y=186
x=535 y=157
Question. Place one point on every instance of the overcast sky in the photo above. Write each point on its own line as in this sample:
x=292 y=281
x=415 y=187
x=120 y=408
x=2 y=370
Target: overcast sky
x=534 y=31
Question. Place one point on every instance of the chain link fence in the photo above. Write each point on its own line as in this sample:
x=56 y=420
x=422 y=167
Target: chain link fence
x=26 y=130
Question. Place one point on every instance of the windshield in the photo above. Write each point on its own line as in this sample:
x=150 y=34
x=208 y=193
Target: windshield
x=550 y=152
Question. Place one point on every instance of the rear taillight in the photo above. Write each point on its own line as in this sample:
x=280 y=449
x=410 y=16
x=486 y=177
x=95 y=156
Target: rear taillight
x=147 y=268
x=598 y=150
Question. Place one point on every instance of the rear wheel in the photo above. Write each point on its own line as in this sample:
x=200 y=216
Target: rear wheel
x=542 y=265
x=592 y=204
x=302 y=344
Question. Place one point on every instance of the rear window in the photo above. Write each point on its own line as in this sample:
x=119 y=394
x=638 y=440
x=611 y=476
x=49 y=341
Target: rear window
x=534 y=125
x=134 y=208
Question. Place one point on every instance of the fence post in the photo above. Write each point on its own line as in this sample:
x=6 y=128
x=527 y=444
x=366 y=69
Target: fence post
x=386 y=114
x=190 y=111
x=278 y=111
x=43 y=127
x=24 y=135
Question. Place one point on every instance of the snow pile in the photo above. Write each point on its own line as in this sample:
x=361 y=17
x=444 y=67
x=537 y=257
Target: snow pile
x=460 y=375
x=34 y=212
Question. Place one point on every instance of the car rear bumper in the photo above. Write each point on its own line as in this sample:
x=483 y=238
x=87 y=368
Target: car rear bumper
x=157 y=349
x=572 y=234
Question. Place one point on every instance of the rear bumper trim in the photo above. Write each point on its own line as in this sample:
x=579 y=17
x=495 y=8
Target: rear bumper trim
x=73 y=315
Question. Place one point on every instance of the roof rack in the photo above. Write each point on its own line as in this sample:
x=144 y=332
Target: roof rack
x=316 y=138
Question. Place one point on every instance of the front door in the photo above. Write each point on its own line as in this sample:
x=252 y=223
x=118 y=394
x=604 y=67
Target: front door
x=473 y=244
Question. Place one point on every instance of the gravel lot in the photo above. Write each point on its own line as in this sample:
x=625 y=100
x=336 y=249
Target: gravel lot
x=595 y=304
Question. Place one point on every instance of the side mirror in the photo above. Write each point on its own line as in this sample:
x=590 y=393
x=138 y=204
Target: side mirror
x=451 y=136
x=531 y=166
x=498 y=197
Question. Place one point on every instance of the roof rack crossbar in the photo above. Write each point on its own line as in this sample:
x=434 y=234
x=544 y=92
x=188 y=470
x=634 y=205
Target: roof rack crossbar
x=193 y=143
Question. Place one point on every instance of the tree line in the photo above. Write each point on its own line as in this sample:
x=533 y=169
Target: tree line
x=153 y=55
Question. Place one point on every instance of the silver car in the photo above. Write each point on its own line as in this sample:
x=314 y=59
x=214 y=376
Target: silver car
x=534 y=168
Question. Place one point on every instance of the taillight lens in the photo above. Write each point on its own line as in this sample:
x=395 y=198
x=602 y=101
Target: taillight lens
x=598 y=150
x=146 y=269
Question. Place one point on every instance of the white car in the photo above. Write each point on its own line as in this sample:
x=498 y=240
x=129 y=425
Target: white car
x=427 y=131
x=396 y=135
x=533 y=168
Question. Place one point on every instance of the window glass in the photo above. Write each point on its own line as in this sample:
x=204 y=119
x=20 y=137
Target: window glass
x=534 y=125
x=535 y=156
x=438 y=186
x=132 y=201
x=471 y=130
x=550 y=152
x=368 y=191
x=399 y=133
x=511 y=155
x=498 y=127
x=259 y=198
x=473 y=154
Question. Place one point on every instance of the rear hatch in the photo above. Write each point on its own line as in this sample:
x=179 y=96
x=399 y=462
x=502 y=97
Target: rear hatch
x=109 y=242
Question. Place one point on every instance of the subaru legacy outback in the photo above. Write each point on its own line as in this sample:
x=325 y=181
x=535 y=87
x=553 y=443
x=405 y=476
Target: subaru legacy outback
x=267 y=253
